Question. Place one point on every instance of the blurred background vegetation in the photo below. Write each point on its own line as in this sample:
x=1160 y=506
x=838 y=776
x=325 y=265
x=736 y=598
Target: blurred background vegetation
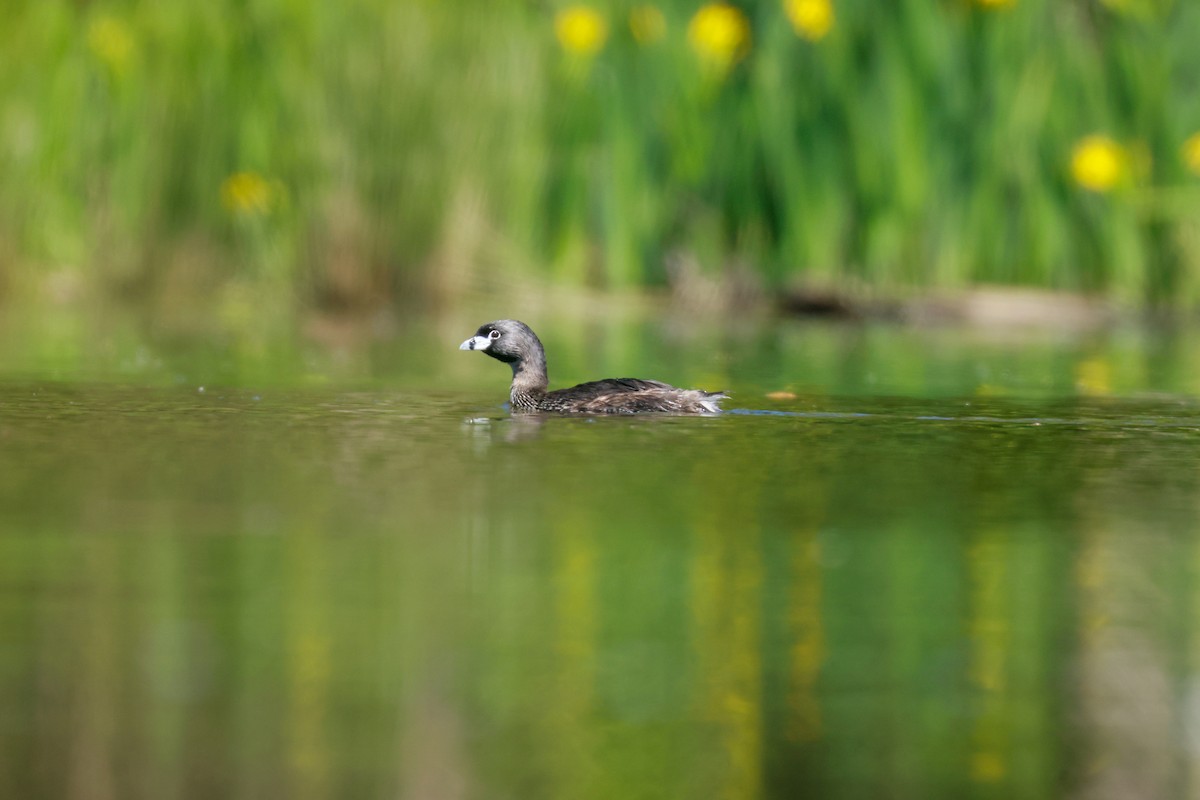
x=294 y=154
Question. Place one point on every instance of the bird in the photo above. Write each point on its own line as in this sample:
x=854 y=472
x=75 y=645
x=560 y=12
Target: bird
x=515 y=344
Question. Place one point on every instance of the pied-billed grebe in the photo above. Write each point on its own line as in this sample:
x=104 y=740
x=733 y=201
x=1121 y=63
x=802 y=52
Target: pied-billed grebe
x=516 y=345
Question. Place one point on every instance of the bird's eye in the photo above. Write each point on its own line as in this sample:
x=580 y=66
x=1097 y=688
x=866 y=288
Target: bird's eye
x=494 y=335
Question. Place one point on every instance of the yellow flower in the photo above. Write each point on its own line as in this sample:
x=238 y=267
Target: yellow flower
x=580 y=30
x=995 y=4
x=248 y=194
x=110 y=42
x=1191 y=153
x=1098 y=163
x=647 y=24
x=720 y=35
x=811 y=19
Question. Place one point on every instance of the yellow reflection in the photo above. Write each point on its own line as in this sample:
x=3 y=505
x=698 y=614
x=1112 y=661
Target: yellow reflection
x=575 y=646
x=575 y=585
x=1092 y=575
x=726 y=602
x=991 y=641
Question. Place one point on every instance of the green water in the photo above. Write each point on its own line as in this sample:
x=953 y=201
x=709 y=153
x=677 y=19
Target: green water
x=949 y=566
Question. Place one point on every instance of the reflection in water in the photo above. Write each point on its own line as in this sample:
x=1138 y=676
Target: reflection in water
x=93 y=702
x=511 y=428
x=1126 y=709
x=807 y=635
x=316 y=595
x=308 y=657
x=726 y=608
x=988 y=565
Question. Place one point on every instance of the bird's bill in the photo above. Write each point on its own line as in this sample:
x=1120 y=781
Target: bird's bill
x=476 y=343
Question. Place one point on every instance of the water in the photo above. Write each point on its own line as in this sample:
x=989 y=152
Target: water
x=939 y=566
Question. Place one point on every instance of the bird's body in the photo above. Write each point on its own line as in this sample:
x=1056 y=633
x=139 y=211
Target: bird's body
x=515 y=344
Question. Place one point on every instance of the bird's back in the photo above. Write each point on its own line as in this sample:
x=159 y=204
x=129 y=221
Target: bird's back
x=630 y=396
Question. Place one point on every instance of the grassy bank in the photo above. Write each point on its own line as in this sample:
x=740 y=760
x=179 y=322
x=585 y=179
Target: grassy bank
x=346 y=153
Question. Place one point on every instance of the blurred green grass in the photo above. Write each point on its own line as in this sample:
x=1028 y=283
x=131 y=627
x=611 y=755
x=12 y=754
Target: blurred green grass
x=347 y=154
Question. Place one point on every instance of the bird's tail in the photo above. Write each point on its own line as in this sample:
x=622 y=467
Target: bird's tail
x=711 y=401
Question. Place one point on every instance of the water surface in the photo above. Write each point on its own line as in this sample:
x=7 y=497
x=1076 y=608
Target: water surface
x=934 y=567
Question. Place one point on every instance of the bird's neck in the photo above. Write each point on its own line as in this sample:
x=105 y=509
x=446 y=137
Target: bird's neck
x=529 y=380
